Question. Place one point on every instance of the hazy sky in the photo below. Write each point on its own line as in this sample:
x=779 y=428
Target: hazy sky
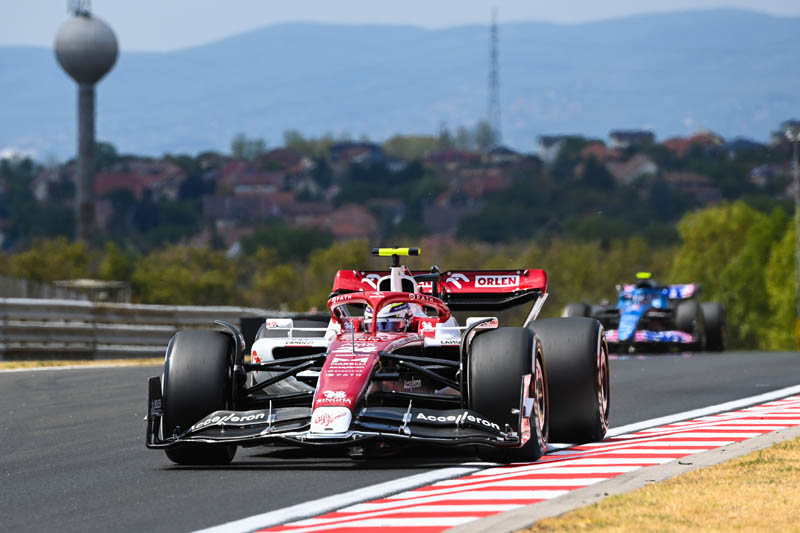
x=169 y=24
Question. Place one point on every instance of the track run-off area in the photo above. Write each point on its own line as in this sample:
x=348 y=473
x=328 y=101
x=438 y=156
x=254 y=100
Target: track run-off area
x=72 y=455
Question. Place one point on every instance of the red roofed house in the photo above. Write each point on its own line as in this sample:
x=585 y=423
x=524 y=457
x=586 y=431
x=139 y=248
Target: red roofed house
x=699 y=188
x=159 y=177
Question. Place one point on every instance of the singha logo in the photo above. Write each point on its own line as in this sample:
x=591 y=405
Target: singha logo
x=335 y=395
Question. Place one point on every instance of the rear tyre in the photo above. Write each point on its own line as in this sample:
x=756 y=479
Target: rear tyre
x=198 y=376
x=576 y=309
x=714 y=315
x=498 y=360
x=689 y=318
x=576 y=355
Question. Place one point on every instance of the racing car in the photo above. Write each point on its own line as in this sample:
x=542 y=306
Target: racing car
x=651 y=317
x=391 y=367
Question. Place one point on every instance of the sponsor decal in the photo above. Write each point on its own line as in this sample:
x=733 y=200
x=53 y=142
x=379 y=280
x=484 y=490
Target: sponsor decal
x=337 y=397
x=232 y=418
x=279 y=322
x=497 y=281
x=155 y=407
x=348 y=348
x=456 y=279
x=450 y=342
x=345 y=366
x=458 y=419
x=327 y=419
x=254 y=357
x=299 y=342
x=426 y=327
x=412 y=384
x=330 y=420
x=415 y=297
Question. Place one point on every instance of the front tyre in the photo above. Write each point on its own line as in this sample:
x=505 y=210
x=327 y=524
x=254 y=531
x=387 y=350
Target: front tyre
x=499 y=359
x=198 y=377
x=714 y=315
x=689 y=318
x=576 y=355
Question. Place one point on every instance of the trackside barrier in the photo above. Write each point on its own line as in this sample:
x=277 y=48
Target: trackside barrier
x=38 y=329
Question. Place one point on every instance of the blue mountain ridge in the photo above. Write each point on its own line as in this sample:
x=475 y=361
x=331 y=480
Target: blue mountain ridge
x=731 y=71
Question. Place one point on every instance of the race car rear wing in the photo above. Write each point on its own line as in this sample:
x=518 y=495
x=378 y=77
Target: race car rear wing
x=682 y=291
x=461 y=290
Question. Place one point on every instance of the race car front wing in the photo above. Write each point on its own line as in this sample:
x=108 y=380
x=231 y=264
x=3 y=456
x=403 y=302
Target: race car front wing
x=292 y=425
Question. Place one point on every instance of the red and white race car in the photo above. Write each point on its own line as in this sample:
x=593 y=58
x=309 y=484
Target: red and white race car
x=392 y=366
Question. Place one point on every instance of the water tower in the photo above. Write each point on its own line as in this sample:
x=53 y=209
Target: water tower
x=86 y=48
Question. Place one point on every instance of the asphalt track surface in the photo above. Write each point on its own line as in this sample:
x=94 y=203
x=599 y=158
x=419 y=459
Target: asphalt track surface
x=72 y=455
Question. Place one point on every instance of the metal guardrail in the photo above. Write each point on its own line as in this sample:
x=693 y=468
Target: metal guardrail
x=36 y=328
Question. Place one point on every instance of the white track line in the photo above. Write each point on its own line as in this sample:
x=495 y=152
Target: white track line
x=331 y=503
x=382 y=490
x=68 y=367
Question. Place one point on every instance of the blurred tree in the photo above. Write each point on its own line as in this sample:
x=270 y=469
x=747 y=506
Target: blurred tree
x=410 y=146
x=115 y=265
x=288 y=242
x=307 y=146
x=725 y=249
x=105 y=155
x=243 y=147
x=322 y=173
x=323 y=265
x=465 y=139
x=445 y=139
x=779 y=280
x=50 y=260
x=485 y=137
x=279 y=287
x=742 y=280
x=185 y=275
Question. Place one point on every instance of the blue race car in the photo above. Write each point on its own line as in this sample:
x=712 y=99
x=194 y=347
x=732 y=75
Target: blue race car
x=652 y=317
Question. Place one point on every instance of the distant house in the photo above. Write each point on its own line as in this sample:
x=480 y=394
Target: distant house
x=779 y=137
x=242 y=177
x=344 y=153
x=501 y=155
x=740 y=145
x=600 y=152
x=626 y=172
x=444 y=220
x=247 y=207
x=40 y=185
x=477 y=182
x=762 y=175
x=623 y=139
x=259 y=183
x=679 y=146
x=352 y=221
x=451 y=159
x=549 y=147
x=699 y=188
x=162 y=179
x=279 y=159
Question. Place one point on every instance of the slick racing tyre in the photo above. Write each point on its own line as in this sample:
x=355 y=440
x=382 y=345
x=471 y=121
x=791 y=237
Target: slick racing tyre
x=576 y=355
x=197 y=381
x=689 y=318
x=714 y=315
x=576 y=309
x=498 y=360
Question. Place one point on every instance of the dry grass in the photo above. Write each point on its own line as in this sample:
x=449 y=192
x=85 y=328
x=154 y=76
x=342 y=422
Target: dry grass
x=756 y=492
x=146 y=361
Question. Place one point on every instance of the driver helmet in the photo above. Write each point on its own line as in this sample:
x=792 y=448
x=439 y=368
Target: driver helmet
x=395 y=317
